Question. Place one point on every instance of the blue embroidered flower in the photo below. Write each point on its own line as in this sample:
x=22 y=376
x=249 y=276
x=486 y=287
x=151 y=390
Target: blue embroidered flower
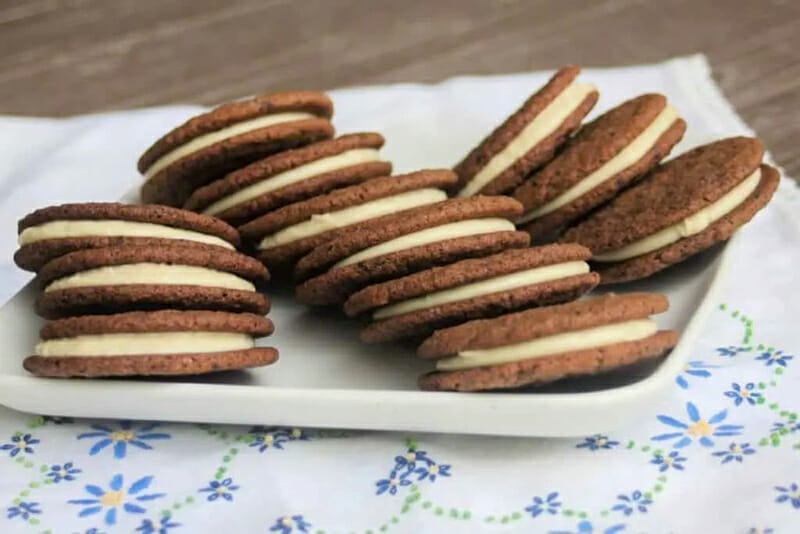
x=586 y=527
x=432 y=470
x=790 y=493
x=636 y=501
x=275 y=437
x=94 y=530
x=777 y=357
x=671 y=461
x=731 y=351
x=792 y=425
x=288 y=524
x=735 y=451
x=217 y=489
x=115 y=497
x=392 y=483
x=66 y=472
x=162 y=525
x=120 y=438
x=20 y=443
x=694 y=368
x=549 y=504
x=741 y=394
x=596 y=442
x=698 y=428
x=410 y=458
x=23 y=510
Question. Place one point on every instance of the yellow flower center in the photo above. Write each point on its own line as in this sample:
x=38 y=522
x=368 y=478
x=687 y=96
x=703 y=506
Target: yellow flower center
x=745 y=393
x=411 y=456
x=393 y=482
x=287 y=522
x=434 y=470
x=268 y=439
x=112 y=498
x=62 y=471
x=296 y=433
x=121 y=435
x=21 y=444
x=700 y=428
x=600 y=442
x=667 y=460
x=737 y=449
x=220 y=490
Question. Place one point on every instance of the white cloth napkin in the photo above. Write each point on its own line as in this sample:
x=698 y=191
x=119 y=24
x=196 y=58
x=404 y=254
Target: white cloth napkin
x=720 y=454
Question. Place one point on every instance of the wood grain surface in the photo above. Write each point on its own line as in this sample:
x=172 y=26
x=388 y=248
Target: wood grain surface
x=62 y=57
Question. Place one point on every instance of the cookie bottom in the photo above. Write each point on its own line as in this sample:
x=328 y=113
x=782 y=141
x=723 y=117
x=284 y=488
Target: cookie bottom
x=149 y=364
x=539 y=371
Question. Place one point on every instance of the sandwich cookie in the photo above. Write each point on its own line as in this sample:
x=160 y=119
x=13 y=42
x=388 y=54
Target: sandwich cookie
x=54 y=231
x=208 y=146
x=401 y=244
x=602 y=159
x=286 y=234
x=683 y=207
x=292 y=176
x=418 y=304
x=542 y=345
x=118 y=279
x=529 y=138
x=167 y=342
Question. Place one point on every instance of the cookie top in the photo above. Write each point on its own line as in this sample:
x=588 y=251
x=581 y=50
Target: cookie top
x=671 y=193
x=461 y=273
x=225 y=115
x=158 y=321
x=347 y=197
x=207 y=258
x=47 y=223
x=599 y=152
x=528 y=138
x=540 y=322
x=264 y=184
x=481 y=210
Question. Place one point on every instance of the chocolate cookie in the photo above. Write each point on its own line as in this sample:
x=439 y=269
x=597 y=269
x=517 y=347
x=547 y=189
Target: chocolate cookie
x=418 y=304
x=683 y=207
x=542 y=345
x=286 y=234
x=230 y=136
x=166 y=342
x=603 y=158
x=397 y=245
x=54 y=231
x=120 y=279
x=292 y=176
x=527 y=139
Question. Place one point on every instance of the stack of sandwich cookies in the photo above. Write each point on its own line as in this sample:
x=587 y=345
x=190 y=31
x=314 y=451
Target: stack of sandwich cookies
x=165 y=342
x=396 y=245
x=291 y=176
x=543 y=345
x=119 y=279
x=418 y=304
x=51 y=232
x=527 y=139
x=286 y=234
x=684 y=207
x=208 y=146
x=603 y=158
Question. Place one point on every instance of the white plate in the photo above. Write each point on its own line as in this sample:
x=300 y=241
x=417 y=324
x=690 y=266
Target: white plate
x=326 y=378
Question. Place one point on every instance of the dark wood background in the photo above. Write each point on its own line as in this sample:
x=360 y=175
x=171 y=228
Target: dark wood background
x=60 y=57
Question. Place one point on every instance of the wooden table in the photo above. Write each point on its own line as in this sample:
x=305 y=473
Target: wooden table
x=65 y=57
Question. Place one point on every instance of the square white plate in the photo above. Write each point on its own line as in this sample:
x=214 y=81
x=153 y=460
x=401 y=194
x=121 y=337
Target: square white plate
x=326 y=378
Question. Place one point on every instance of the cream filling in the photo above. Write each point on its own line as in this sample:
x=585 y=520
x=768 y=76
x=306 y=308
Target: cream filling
x=318 y=167
x=129 y=344
x=151 y=273
x=541 y=127
x=203 y=141
x=628 y=156
x=325 y=222
x=691 y=225
x=431 y=235
x=497 y=284
x=590 y=338
x=113 y=228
